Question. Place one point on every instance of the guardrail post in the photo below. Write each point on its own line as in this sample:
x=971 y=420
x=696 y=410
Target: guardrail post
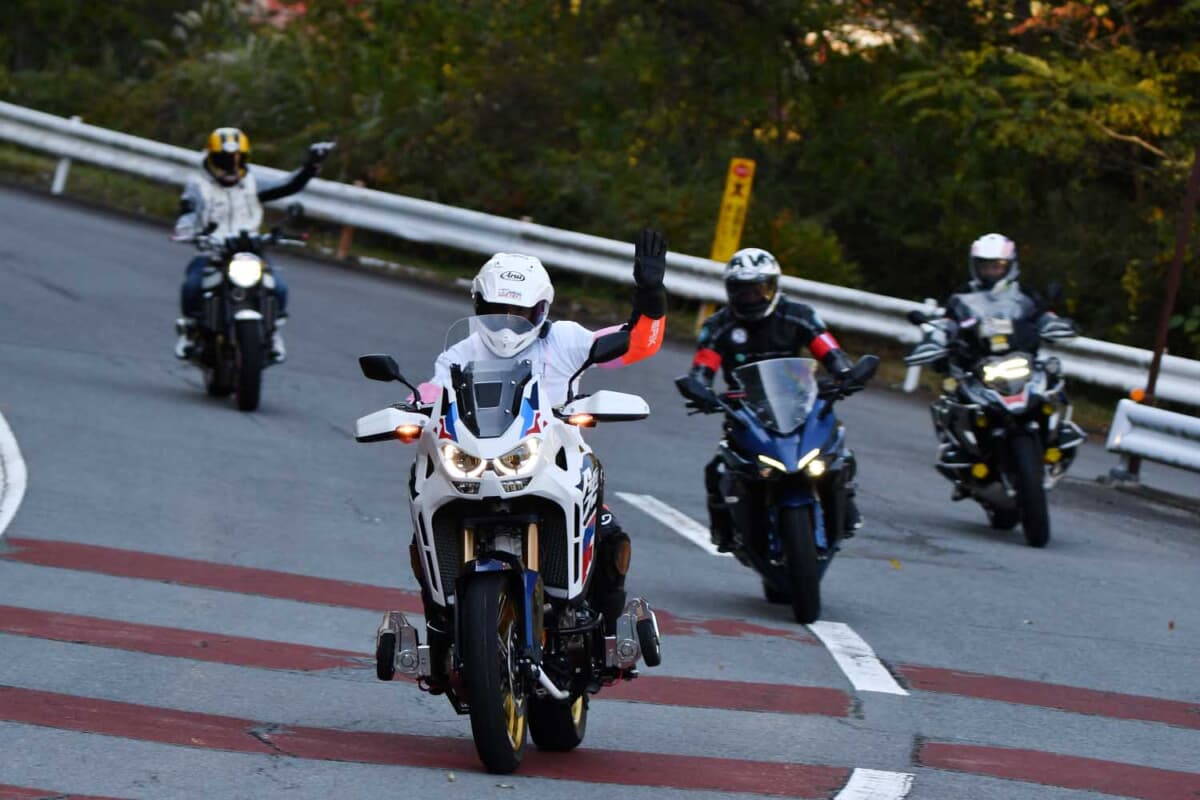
x=347 y=235
x=913 y=377
x=63 y=168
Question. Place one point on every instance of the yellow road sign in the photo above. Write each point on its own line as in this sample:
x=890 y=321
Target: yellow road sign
x=733 y=208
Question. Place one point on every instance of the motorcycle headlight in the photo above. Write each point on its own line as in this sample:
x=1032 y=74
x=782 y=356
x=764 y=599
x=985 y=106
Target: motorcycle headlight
x=459 y=463
x=245 y=271
x=767 y=461
x=1009 y=371
x=519 y=461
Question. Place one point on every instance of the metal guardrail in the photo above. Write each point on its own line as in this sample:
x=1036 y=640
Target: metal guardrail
x=1155 y=434
x=1090 y=360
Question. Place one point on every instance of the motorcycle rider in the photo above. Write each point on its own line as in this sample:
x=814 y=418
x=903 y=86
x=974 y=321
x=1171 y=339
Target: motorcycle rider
x=759 y=323
x=519 y=286
x=993 y=267
x=226 y=195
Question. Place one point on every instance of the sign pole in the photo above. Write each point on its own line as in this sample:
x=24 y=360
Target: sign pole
x=738 y=182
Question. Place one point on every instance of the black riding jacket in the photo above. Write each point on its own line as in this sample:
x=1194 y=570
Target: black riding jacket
x=727 y=342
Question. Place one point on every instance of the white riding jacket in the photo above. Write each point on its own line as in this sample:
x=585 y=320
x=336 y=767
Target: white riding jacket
x=233 y=208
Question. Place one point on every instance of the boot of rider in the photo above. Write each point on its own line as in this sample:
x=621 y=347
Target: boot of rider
x=183 y=344
x=608 y=587
x=437 y=632
x=278 y=348
x=720 y=524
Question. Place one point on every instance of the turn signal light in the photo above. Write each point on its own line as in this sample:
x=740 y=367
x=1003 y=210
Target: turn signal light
x=408 y=433
x=1053 y=455
x=981 y=421
x=582 y=420
x=980 y=471
x=1137 y=395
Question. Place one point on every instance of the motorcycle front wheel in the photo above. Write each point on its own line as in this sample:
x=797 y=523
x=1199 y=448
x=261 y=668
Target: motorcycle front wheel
x=800 y=559
x=1031 y=494
x=249 y=364
x=491 y=645
x=558 y=726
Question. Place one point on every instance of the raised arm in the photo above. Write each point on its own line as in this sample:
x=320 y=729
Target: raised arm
x=297 y=180
x=647 y=324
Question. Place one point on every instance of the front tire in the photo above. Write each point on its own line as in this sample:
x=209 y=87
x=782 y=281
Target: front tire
x=490 y=647
x=1031 y=493
x=775 y=596
x=249 y=364
x=556 y=726
x=800 y=560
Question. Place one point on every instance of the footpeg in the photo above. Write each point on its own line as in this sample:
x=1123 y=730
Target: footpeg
x=636 y=638
x=398 y=649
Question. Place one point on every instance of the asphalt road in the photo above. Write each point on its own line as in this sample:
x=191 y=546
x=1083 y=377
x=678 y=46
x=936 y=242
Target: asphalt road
x=188 y=594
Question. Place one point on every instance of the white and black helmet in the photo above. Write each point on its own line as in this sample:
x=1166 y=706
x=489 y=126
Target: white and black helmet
x=752 y=283
x=993 y=261
x=518 y=286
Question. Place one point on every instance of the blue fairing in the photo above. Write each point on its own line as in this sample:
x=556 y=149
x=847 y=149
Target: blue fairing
x=818 y=432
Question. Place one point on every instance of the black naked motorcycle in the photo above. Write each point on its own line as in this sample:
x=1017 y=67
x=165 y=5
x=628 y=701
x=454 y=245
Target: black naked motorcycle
x=232 y=341
x=1003 y=421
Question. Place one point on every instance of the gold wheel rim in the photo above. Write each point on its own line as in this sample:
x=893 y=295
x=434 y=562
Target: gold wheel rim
x=514 y=707
x=577 y=711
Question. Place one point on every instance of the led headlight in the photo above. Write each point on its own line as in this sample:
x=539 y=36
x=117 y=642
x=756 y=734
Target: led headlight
x=519 y=461
x=1010 y=369
x=771 y=462
x=459 y=463
x=245 y=270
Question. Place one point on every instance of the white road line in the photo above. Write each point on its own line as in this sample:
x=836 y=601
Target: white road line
x=675 y=520
x=856 y=658
x=875 y=784
x=12 y=475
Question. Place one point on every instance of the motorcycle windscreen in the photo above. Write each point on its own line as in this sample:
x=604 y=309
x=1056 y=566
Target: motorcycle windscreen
x=780 y=392
x=488 y=388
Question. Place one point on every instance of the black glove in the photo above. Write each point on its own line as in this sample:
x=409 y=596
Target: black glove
x=317 y=152
x=649 y=259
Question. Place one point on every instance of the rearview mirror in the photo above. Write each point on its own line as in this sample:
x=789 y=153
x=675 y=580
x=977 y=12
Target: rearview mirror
x=917 y=317
x=380 y=368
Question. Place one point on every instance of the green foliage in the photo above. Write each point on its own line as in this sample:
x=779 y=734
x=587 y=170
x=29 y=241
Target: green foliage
x=887 y=136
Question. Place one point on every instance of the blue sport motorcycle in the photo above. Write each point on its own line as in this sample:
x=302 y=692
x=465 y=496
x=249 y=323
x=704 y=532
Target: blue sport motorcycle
x=785 y=472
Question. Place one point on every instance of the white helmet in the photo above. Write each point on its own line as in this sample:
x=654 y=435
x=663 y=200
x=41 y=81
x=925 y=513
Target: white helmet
x=516 y=285
x=993 y=261
x=752 y=283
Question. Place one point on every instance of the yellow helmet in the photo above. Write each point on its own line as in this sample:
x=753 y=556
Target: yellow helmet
x=226 y=155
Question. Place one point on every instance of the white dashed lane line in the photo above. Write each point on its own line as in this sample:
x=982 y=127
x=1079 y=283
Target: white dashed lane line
x=12 y=475
x=875 y=784
x=855 y=658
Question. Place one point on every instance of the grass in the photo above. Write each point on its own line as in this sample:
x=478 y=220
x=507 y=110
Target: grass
x=578 y=297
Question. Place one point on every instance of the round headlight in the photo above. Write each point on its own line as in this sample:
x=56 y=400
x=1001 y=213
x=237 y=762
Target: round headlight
x=245 y=271
x=518 y=461
x=459 y=463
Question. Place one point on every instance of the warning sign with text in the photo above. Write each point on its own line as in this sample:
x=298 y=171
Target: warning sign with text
x=733 y=208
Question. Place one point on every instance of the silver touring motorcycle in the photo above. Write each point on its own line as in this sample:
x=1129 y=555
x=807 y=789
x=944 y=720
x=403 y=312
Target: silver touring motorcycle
x=505 y=497
x=1003 y=420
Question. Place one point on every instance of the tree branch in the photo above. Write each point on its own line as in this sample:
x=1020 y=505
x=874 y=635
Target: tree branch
x=1124 y=137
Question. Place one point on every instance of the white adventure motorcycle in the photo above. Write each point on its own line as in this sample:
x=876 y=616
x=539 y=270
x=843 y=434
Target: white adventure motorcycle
x=505 y=497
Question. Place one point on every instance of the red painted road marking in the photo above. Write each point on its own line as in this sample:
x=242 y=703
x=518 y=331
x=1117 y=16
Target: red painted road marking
x=160 y=641
x=1051 y=695
x=1067 y=772
x=264 y=654
x=290 y=586
x=24 y=793
x=731 y=695
x=208 y=731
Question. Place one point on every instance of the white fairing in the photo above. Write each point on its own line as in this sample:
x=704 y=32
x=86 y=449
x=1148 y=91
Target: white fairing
x=608 y=405
x=383 y=423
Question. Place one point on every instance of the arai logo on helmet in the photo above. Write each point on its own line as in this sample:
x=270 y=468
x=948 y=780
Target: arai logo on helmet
x=512 y=276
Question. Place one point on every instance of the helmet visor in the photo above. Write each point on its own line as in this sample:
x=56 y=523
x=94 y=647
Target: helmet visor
x=991 y=270
x=751 y=298
x=226 y=165
x=535 y=313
